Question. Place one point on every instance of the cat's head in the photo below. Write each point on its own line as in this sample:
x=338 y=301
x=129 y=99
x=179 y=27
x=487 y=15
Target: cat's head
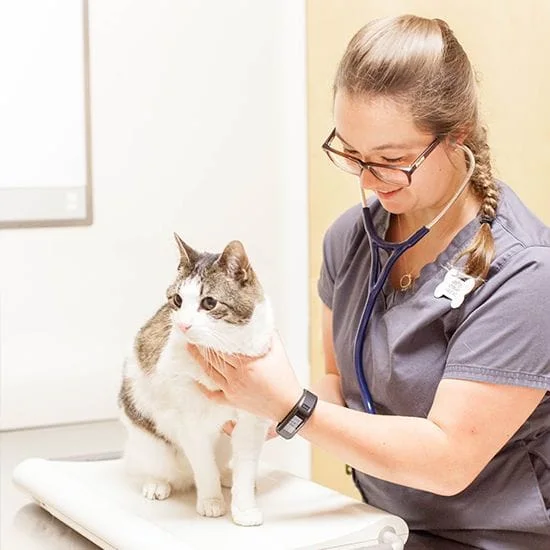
x=217 y=301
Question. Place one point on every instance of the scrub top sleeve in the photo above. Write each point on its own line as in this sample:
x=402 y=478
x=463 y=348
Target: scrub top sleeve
x=336 y=244
x=325 y=284
x=506 y=338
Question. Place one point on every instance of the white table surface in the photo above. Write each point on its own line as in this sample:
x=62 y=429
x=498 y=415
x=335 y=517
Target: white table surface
x=25 y=526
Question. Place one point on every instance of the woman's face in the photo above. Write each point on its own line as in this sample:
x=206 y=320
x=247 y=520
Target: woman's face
x=381 y=130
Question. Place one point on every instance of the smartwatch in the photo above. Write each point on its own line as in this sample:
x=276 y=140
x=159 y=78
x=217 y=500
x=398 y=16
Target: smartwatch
x=290 y=425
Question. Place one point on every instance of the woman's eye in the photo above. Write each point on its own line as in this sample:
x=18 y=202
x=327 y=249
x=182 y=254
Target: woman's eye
x=208 y=303
x=393 y=161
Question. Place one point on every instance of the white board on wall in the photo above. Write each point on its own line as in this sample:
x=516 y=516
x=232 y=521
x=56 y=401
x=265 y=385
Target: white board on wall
x=44 y=173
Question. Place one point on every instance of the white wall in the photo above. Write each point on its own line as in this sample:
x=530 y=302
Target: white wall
x=198 y=126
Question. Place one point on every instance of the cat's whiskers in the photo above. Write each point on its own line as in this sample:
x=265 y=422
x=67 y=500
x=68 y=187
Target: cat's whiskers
x=224 y=341
x=209 y=359
x=224 y=345
x=217 y=357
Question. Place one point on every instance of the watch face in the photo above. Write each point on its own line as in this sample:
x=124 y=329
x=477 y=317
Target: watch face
x=290 y=428
x=294 y=423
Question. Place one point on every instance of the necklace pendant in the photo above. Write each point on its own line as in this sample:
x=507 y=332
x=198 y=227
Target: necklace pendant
x=406 y=282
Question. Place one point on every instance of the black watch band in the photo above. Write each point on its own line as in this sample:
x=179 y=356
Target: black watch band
x=298 y=415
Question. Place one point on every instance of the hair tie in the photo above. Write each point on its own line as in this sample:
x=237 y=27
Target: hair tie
x=484 y=218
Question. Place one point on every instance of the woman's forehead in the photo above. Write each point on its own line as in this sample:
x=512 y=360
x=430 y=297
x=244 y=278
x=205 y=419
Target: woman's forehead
x=373 y=123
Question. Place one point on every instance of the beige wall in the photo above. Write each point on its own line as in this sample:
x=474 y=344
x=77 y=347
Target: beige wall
x=509 y=44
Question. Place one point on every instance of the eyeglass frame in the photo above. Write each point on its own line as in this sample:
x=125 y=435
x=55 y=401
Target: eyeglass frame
x=407 y=170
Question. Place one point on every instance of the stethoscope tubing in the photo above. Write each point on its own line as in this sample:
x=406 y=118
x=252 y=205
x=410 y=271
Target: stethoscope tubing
x=374 y=291
x=378 y=279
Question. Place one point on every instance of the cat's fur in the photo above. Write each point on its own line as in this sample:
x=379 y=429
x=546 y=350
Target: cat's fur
x=175 y=434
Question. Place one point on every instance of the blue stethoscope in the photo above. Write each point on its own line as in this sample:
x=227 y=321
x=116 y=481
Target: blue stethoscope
x=379 y=275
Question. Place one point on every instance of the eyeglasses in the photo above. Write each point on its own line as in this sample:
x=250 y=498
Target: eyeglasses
x=388 y=173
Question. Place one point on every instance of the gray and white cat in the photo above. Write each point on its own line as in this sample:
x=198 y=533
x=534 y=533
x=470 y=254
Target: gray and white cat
x=175 y=434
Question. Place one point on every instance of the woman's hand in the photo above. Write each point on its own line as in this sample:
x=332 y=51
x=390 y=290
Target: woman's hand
x=265 y=386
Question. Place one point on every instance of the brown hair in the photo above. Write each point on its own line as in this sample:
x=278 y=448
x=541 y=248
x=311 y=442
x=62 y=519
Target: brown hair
x=419 y=62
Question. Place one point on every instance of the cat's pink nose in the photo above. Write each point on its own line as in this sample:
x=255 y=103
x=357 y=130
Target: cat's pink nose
x=184 y=327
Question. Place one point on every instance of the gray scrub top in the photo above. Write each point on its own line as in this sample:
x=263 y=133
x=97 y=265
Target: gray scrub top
x=500 y=334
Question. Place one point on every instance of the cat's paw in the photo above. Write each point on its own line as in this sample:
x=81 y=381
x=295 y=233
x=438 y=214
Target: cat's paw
x=156 y=490
x=226 y=478
x=211 y=507
x=248 y=517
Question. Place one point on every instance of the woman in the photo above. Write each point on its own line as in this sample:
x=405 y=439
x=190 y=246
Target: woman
x=460 y=444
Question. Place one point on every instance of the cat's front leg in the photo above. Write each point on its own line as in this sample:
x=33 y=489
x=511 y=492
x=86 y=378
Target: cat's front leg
x=247 y=439
x=224 y=453
x=199 y=448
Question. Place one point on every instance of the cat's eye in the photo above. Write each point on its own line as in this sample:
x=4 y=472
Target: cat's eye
x=208 y=303
x=176 y=300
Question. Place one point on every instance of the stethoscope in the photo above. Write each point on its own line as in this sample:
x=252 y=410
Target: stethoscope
x=378 y=278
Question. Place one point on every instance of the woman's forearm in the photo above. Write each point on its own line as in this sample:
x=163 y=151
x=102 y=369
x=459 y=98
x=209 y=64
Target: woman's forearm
x=409 y=451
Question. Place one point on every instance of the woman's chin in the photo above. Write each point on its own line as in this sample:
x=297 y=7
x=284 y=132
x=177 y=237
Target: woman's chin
x=392 y=202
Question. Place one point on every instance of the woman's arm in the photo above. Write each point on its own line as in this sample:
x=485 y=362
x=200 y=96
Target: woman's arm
x=468 y=423
x=328 y=387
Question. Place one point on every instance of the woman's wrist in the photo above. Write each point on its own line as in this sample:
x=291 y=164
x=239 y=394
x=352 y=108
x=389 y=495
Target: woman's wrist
x=286 y=404
x=298 y=415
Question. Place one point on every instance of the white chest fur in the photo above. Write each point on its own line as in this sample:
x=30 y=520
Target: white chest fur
x=171 y=397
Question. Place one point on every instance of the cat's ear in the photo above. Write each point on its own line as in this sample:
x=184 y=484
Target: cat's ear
x=187 y=254
x=235 y=263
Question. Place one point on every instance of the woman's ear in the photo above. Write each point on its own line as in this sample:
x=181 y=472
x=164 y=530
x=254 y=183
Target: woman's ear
x=454 y=142
x=458 y=138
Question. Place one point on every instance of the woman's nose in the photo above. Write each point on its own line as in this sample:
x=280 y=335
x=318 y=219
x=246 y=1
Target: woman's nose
x=366 y=179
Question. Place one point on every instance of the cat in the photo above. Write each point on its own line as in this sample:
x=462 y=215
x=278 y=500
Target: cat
x=175 y=437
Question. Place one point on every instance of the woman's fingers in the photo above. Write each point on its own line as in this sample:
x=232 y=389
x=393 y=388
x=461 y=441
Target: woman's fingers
x=196 y=354
x=210 y=364
x=271 y=433
x=213 y=395
x=229 y=426
x=232 y=359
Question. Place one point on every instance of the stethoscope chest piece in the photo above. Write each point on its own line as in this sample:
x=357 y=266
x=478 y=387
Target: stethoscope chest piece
x=455 y=287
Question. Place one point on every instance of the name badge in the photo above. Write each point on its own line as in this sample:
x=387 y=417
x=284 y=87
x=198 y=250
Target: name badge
x=455 y=286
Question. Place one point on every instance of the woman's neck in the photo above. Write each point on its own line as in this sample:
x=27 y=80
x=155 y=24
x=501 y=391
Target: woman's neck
x=463 y=211
x=408 y=267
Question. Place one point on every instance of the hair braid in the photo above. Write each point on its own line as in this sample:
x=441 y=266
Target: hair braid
x=481 y=251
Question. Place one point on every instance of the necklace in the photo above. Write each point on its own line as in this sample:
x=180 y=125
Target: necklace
x=406 y=281
x=447 y=230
